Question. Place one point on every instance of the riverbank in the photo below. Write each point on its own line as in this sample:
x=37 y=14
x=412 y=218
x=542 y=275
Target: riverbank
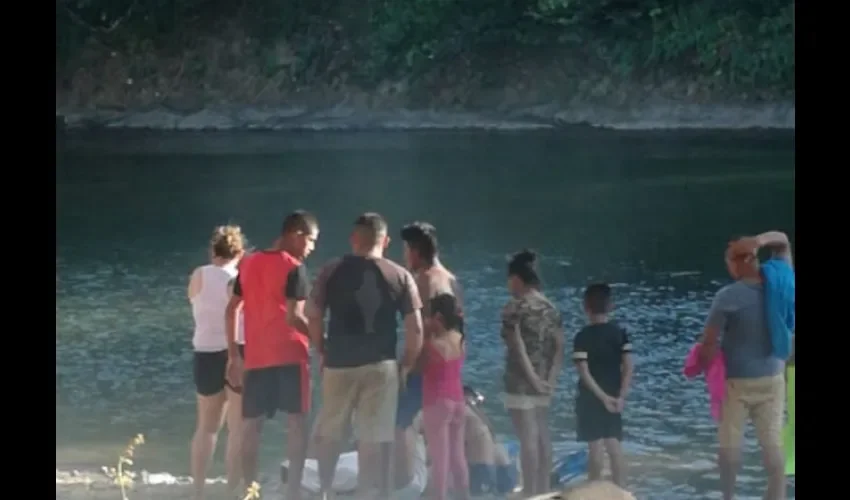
x=343 y=116
x=211 y=65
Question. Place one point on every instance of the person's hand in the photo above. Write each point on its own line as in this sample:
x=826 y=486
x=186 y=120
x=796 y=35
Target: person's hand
x=611 y=404
x=541 y=386
x=234 y=372
x=707 y=352
x=621 y=403
x=403 y=372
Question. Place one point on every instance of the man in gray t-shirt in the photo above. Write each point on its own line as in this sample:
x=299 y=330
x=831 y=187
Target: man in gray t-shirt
x=755 y=382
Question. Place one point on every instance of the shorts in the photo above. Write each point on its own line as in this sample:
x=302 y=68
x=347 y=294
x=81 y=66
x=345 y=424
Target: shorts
x=409 y=402
x=209 y=370
x=595 y=422
x=525 y=401
x=369 y=391
x=487 y=478
x=763 y=401
x=267 y=390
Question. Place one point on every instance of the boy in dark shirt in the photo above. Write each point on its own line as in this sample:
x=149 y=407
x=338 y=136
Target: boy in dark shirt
x=601 y=352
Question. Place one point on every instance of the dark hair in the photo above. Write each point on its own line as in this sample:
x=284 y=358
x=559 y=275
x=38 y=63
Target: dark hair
x=299 y=221
x=445 y=304
x=371 y=224
x=473 y=395
x=422 y=237
x=597 y=298
x=474 y=400
x=523 y=265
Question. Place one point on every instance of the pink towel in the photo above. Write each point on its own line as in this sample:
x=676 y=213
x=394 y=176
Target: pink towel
x=715 y=377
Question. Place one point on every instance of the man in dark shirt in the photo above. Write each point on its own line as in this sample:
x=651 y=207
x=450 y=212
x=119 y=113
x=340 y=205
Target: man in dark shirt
x=363 y=293
x=601 y=352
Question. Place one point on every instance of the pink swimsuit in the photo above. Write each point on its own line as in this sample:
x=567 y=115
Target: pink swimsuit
x=443 y=418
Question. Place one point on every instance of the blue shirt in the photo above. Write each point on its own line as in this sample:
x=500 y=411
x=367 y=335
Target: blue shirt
x=738 y=312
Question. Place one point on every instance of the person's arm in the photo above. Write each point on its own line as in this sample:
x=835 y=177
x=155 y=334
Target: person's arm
x=580 y=349
x=457 y=290
x=196 y=281
x=627 y=366
x=411 y=305
x=715 y=324
x=524 y=361
x=558 y=359
x=777 y=242
x=296 y=292
x=425 y=289
x=316 y=306
x=230 y=312
x=513 y=339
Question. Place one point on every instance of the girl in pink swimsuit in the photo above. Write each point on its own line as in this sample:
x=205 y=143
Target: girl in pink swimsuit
x=443 y=403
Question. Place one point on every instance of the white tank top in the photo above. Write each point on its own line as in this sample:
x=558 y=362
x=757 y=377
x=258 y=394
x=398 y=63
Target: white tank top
x=208 y=309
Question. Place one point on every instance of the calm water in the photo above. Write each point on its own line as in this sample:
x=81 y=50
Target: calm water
x=651 y=214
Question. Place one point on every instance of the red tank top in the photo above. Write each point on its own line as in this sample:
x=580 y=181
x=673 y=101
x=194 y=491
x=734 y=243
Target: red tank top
x=269 y=341
x=441 y=378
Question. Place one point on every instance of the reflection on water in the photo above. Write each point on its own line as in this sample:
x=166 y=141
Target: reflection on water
x=132 y=227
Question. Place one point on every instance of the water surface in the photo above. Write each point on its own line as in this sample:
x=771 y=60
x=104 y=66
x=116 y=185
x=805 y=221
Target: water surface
x=650 y=213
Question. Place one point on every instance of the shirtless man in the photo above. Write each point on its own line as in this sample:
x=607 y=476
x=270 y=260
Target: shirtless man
x=421 y=254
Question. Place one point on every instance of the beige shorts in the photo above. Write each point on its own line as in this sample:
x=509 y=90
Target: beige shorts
x=370 y=392
x=525 y=402
x=763 y=401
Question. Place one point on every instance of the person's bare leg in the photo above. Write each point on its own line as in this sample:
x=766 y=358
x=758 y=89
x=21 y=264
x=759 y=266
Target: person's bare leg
x=768 y=418
x=386 y=472
x=544 y=450
x=368 y=475
x=328 y=458
x=729 y=434
x=402 y=458
x=774 y=465
x=251 y=430
x=233 y=457
x=297 y=436
x=727 y=459
x=210 y=409
x=595 y=459
x=525 y=427
x=618 y=461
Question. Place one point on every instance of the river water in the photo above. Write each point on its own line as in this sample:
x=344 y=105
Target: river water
x=650 y=213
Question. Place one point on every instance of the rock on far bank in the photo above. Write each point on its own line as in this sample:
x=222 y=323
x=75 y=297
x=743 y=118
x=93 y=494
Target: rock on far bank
x=657 y=116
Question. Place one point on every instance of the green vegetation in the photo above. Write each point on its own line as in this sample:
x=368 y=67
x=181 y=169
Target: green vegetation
x=263 y=49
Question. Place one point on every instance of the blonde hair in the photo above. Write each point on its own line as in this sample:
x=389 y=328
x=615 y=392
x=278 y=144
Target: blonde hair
x=227 y=242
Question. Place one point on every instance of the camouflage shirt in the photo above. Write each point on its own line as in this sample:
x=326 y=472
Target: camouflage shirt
x=539 y=321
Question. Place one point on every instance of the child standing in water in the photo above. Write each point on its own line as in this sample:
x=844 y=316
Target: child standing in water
x=602 y=353
x=443 y=402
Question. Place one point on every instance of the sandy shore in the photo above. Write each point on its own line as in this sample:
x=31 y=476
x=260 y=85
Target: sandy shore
x=83 y=485
x=79 y=492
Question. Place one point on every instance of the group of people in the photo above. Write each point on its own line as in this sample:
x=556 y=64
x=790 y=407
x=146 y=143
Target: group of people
x=258 y=317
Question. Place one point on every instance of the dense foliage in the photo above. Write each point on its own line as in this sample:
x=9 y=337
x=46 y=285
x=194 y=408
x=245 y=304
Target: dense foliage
x=735 y=43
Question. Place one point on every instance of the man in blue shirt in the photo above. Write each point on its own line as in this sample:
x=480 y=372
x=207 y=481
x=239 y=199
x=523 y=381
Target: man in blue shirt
x=755 y=383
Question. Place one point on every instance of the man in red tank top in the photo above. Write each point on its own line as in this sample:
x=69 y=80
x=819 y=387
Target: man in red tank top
x=271 y=287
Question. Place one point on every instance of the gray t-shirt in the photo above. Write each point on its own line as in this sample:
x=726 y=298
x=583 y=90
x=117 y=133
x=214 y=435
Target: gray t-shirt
x=738 y=313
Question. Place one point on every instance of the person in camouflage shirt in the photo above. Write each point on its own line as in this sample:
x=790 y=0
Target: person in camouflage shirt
x=533 y=332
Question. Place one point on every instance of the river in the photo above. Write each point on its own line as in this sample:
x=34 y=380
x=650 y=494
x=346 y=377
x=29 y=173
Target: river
x=650 y=213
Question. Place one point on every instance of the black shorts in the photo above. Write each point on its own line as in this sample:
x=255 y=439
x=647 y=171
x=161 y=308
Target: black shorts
x=267 y=390
x=594 y=422
x=209 y=371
